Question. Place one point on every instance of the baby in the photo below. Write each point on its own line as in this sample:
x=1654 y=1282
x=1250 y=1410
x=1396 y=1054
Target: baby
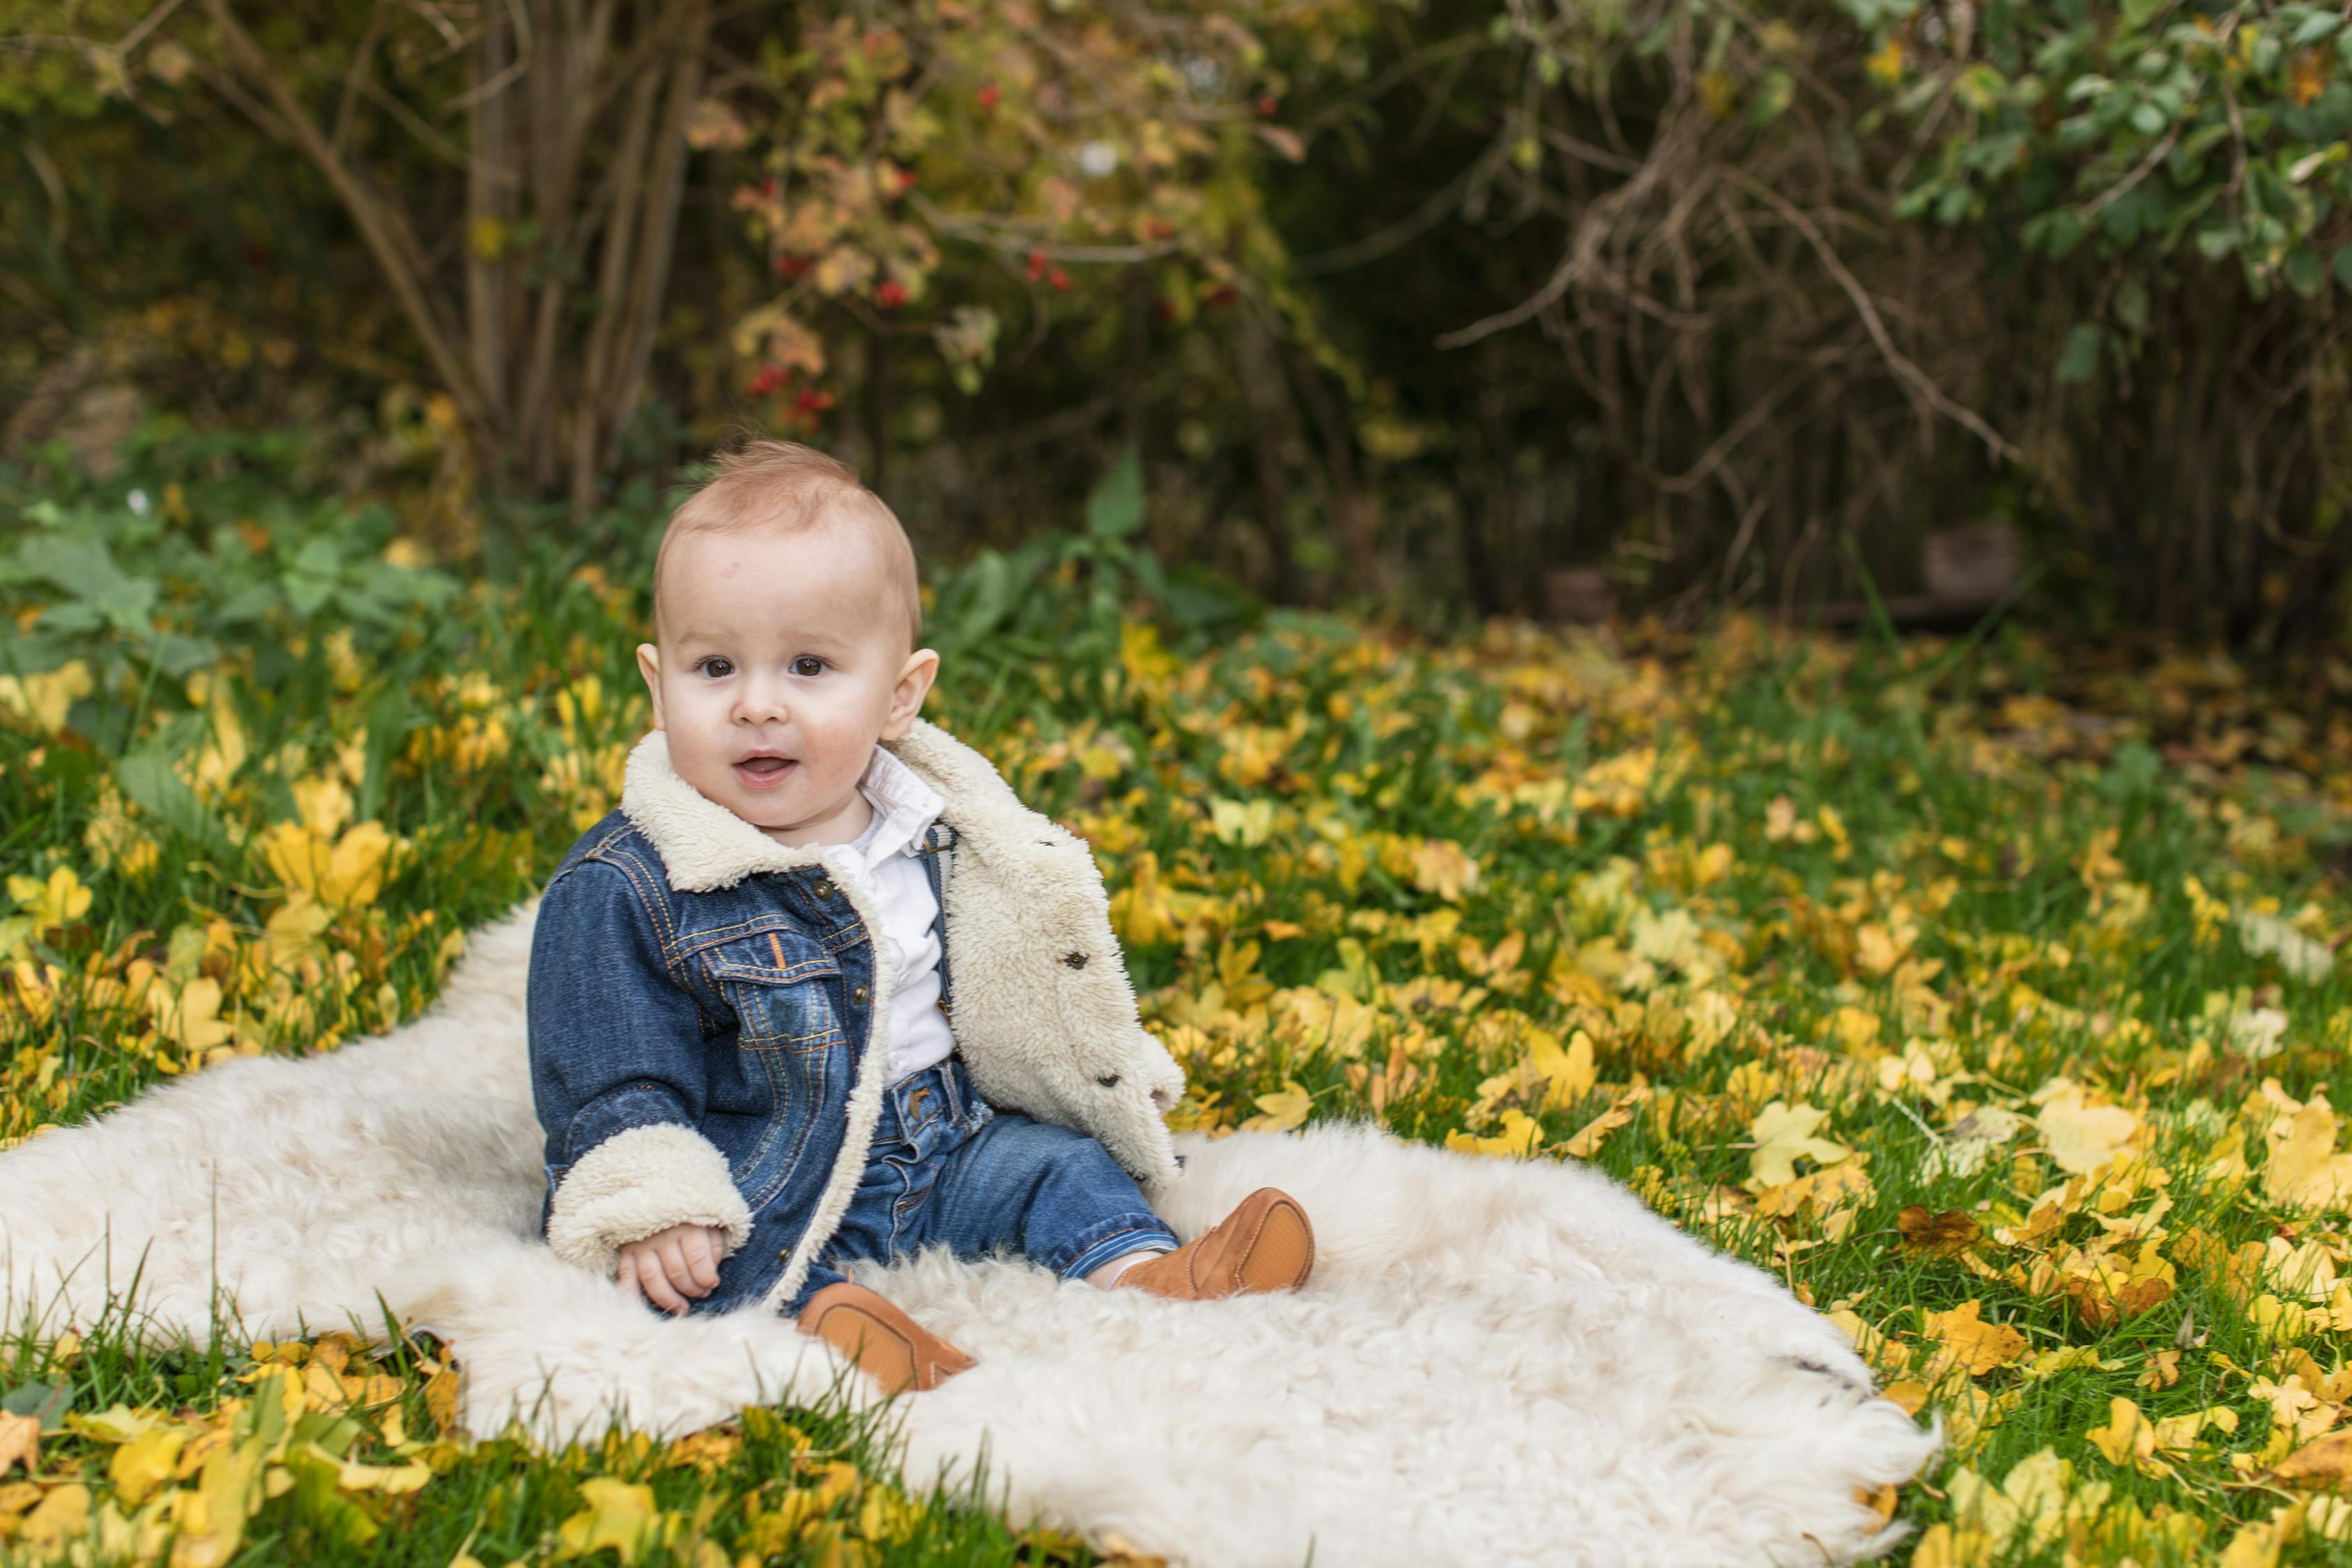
x=824 y=989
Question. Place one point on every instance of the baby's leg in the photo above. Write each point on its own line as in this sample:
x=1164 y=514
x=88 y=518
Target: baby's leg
x=1053 y=1195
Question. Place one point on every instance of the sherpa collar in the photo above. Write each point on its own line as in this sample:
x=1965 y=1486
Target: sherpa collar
x=705 y=847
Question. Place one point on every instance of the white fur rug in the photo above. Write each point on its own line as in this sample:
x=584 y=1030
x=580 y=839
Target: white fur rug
x=1494 y=1362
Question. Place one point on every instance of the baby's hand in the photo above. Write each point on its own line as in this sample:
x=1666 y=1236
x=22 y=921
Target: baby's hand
x=671 y=1264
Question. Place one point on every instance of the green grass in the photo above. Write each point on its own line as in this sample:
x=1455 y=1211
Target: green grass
x=1896 y=883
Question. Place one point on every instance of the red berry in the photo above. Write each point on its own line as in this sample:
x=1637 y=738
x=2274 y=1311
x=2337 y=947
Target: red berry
x=1164 y=309
x=1058 y=279
x=891 y=294
x=771 y=379
x=1036 y=265
x=791 y=265
x=988 y=97
x=812 y=402
x=1267 y=105
x=1220 y=297
x=905 y=179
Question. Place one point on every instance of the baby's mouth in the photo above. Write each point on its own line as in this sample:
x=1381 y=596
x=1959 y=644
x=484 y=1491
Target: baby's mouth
x=764 y=771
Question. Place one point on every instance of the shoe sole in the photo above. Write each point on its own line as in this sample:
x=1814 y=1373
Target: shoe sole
x=1283 y=1253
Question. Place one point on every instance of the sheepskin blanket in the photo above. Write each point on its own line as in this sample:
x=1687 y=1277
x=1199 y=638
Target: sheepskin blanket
x=1494 y=1361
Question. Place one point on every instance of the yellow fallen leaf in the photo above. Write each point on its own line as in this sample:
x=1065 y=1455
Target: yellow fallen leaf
x=2084 y=1138
x=45 y=700
x=2128 y=1439
x=1442 y=866
x=1281 y=1112
x=20 y=1441
x=324 y=802
x=619 y=1514
x=63 y=1515
x=2325 y=1463
x=393 y=1480
x=1784 y=1135
x=1517 y=1140
x=1972 y=1343
x=145 y=1462
x=59 y=900
x=116 y=1422
x=1586 y=1140
x=1568 y=1073
x=212 y=1520
x=2304 y=1172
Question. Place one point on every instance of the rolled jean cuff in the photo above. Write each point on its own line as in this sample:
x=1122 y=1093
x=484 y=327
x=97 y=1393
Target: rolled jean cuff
x=1115 y=1238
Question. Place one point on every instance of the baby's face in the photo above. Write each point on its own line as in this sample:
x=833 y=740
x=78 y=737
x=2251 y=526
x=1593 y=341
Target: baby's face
x=783 y=661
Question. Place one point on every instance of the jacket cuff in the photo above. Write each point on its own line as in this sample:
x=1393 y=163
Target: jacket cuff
x=641 y=1181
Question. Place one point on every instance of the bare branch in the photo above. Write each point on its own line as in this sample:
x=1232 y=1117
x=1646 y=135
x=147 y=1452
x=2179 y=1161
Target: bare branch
x=380 y=226
x=1996 y=444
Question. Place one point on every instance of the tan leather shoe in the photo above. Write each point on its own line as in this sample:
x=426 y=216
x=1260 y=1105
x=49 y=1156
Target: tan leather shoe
x=888 y=1346
x=1265 y=1244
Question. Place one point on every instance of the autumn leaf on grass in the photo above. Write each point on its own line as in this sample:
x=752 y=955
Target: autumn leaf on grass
x=2083 y=1138
x=1969 y=1343
x=1281 y=1111
x=59 y=900
x=2304 y=1171
x=20 y=1441
x=2128 y=1439
x=1942 y=1234
x=2105 y=1288
x=1442 y=866
x=1568 y=1073
x=1965 y=1146
x=346 y=873
x=2326 y=1463
x=1586 y=1140
x=618 y=1514
x=146 y=1462
x=1517 y=1140
x=1783 y=1135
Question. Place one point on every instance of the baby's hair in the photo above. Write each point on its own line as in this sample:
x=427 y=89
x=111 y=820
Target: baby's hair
x=786 y=485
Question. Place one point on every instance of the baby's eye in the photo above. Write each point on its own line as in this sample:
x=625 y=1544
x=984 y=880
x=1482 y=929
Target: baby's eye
x=716 y=667
x=808 y=664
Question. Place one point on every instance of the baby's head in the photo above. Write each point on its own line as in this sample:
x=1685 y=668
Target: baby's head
x=786 y=625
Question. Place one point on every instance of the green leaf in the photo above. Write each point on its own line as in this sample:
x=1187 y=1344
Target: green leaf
x=2081 y=360
x=2315 y=28
x=48 y=1401
x=2139 y=13
x=146 y=778
x=1114 y=510
x=2304 y=273
x=2344 y=266
x=2131 y=304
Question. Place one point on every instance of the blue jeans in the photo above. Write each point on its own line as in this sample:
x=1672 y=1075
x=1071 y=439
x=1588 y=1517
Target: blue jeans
x=946 y=1169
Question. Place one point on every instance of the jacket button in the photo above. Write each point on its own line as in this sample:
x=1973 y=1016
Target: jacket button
x=861 y=995
x=823 y=887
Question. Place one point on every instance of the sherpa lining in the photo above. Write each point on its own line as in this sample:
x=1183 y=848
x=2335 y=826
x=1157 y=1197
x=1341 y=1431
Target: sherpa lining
x=639 y=1181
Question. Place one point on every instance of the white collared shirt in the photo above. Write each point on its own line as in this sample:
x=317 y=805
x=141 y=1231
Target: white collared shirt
x=904 y=809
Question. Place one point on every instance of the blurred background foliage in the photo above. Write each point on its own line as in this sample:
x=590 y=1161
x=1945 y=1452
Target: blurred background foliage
x=1503 y=306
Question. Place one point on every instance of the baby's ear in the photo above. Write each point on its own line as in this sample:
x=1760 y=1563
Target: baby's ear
x=914 y=678
x=649 y=667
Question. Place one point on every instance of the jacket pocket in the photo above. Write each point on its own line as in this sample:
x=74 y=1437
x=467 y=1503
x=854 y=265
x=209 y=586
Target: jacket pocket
x=791 y=1045
x=776 y=982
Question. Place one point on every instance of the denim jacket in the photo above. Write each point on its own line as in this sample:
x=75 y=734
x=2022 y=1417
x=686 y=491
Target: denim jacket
x=702 y=1006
